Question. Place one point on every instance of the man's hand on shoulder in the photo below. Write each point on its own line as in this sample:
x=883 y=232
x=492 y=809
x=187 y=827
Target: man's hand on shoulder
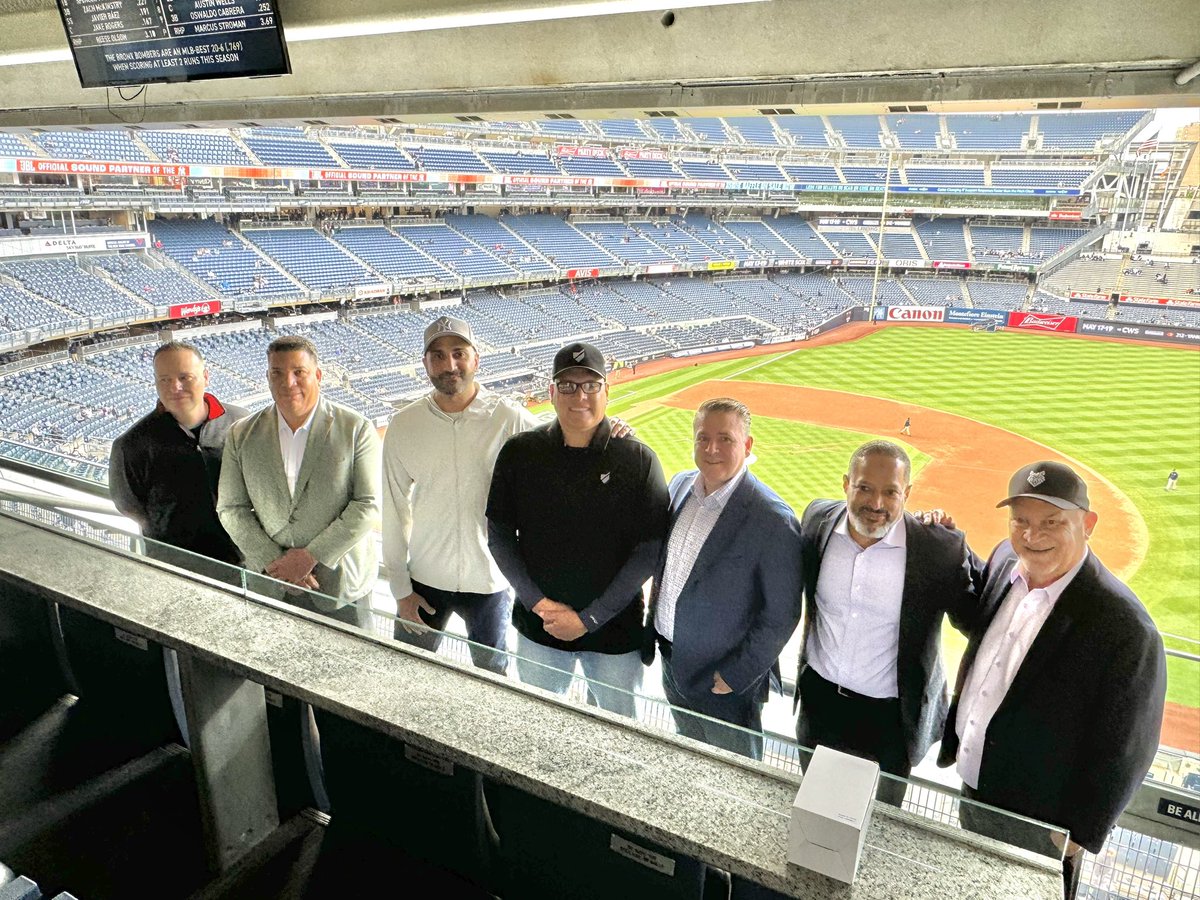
x=620 y=428
x=407 y=612
x=719 y=685
x=933 y=517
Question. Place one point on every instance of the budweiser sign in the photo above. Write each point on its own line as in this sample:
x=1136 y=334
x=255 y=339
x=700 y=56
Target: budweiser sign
x=916 y=314
x=189 y=310
x=1032 y=321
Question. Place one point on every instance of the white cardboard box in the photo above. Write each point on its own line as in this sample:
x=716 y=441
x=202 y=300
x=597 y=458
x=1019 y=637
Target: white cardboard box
x=831 y=813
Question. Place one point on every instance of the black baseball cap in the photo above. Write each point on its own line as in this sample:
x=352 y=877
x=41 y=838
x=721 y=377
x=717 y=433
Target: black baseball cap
x=578 y=356
x=1054 y=482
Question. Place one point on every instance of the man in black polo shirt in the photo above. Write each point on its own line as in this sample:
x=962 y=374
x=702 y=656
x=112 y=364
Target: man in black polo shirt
x=163 y=471
x=575 y=523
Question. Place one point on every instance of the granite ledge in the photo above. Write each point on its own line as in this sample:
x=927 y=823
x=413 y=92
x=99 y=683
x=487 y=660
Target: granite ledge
x=729 y=814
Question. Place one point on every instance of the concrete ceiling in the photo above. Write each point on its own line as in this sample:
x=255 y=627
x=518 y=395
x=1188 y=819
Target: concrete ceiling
x=806 y=55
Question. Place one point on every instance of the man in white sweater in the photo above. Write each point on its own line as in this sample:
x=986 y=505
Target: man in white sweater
x=438 y=456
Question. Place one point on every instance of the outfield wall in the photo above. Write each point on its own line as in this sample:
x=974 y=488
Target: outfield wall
x=1023 y=320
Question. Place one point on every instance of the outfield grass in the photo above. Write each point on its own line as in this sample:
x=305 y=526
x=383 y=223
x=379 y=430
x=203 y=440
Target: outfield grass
x=1129 y=411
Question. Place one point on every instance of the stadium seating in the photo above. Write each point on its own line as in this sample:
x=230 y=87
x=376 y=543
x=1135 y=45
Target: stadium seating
x=392 y=255
x=944 y=239
x=564 y=246
x=281 y=147
x=463 y=257
x=103 y=145
x=754 y=130
x=915 y=132
x=812 y=174
x=799 y=233
x=311 y=258
x=520 y=162
x=220 y=258
x=445 y=159
x=998 y=294
x=652 y=168
x=1068 y=131
x=944 y=176
x=999 y=131
x=373 y=155
x=850 y=244
x=66 y=284
x=196 y=148
x=804 y=131
x=163 y=285
x=858 y=132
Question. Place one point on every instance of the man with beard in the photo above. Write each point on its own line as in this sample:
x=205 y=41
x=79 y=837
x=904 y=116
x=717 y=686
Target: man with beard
x=438 y=456
x=877 y=584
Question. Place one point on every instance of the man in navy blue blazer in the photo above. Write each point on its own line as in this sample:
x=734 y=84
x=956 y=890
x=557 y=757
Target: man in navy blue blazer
x=726 y=595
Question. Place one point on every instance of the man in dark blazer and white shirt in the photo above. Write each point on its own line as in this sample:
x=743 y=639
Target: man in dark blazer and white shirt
x=877 y=585
x=726 y=595
x=1059 y=702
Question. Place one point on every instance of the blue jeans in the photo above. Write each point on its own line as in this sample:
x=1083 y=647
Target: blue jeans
x=613 y=678
x=737 y=709
x=485 y=615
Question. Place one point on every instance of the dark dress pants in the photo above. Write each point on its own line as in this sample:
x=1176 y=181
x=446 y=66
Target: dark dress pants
x=743 y=710
x=863 y=726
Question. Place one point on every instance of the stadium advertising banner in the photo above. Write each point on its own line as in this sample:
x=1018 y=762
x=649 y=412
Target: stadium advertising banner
x=1088 y=295
x=1067 y=215
x=188 y=310
x=961 y=315
x=1165 y=333
x=172 y=170
x=945 y=264
x=1032 y=321
x=634 y=153
x=721 y=265
x=73 y=243
x=1158 y=301
x=592 y=152
x=366 y=175
x=916 y=314
x=91 y=167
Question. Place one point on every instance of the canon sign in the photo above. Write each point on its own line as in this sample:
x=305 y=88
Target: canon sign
x=916 y=314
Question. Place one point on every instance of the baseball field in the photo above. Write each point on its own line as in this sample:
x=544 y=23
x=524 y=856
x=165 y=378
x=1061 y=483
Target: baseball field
x=981 y=406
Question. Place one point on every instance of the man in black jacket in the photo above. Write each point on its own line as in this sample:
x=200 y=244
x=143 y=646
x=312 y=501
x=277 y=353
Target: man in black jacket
x=1059 y=701
x=163 y=471
x=575 y=523
x=877 y=586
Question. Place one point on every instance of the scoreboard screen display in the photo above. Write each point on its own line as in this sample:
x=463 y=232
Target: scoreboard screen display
x=129 y=42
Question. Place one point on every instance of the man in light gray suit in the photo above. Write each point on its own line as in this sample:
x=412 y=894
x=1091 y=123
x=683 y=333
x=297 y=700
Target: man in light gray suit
x=300 y=486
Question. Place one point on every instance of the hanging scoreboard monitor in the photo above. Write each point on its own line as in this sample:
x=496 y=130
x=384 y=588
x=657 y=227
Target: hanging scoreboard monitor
x=119 y=43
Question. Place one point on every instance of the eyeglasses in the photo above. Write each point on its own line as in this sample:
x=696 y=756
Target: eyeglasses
x=570 y=387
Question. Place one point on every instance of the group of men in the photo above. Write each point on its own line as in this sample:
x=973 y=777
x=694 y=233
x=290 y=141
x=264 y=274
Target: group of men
x=557 y=527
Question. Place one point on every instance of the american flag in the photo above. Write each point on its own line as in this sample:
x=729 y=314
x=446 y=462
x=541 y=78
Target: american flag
x=1149 y=145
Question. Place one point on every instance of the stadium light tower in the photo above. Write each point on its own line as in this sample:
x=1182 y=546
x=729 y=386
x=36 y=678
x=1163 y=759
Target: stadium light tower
x=887 y=187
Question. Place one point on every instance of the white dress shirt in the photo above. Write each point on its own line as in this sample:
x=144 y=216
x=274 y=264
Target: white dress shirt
x=856 y=638
x=292 y=445
x=692 y=527
x=1011 y=633
x=437 y=470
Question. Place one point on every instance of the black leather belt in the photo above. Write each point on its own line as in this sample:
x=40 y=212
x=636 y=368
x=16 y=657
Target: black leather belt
x=825 y=684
